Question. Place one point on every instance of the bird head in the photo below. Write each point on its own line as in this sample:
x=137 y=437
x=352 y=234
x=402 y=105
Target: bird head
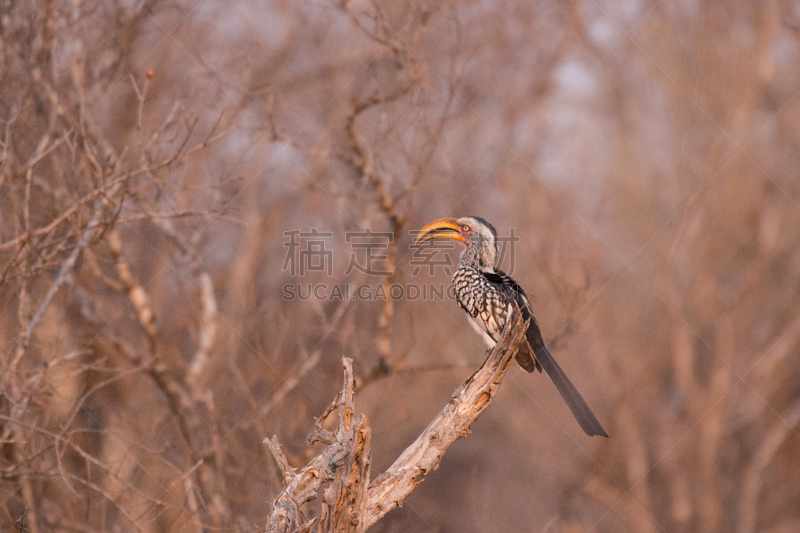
x=479 y=236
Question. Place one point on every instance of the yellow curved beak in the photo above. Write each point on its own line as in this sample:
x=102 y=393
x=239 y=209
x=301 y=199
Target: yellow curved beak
x=443 y=227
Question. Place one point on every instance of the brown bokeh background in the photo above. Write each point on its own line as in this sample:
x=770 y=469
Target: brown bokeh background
x=155 y=152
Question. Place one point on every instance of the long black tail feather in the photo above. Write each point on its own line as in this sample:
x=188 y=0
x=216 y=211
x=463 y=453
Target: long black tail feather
x=585 y=417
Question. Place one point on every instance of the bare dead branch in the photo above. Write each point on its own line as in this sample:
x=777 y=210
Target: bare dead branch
x=286 y=515
x=275 y=449
x=345 y=500
x=350 y=506
x=467 y=403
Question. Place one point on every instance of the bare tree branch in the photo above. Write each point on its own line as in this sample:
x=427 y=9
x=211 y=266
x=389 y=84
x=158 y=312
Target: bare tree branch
x=348 y=505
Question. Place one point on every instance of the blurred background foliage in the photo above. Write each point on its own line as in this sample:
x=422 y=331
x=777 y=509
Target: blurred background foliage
x=156 y=152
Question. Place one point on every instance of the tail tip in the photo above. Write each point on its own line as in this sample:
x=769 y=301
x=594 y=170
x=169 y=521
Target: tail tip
x=596 y=431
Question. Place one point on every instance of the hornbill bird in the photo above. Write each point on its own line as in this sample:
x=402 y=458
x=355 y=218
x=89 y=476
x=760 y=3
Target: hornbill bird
x=487 y=294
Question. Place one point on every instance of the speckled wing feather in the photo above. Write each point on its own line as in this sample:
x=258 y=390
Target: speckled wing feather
x=511 y=290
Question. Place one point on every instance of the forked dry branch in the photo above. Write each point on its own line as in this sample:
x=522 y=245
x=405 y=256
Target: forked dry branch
x=349 y=506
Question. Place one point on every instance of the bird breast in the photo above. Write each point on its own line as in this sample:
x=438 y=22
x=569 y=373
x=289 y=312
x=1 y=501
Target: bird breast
x=481 y=300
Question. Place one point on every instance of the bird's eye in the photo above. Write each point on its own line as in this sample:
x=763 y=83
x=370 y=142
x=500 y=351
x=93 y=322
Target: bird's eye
x=465 y=228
